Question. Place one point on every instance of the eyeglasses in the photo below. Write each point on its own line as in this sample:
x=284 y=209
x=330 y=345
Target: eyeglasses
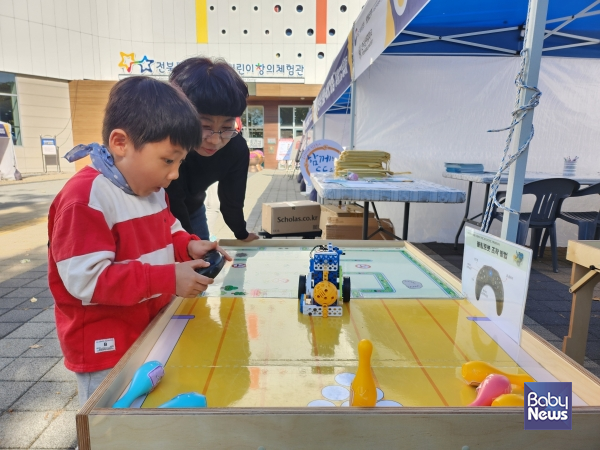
x=227 y=134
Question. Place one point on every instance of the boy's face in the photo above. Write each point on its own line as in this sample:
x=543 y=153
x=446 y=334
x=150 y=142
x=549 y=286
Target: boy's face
x=211 y=144
x=149 y=168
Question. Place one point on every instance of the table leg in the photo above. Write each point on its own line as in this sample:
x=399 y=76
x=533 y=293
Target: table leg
x=574 y=344
x=405 y=224
x=465 y=217
x=365 y=230
x=485 y=200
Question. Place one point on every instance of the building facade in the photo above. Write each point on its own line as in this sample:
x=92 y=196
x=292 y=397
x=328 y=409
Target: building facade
x=60 y=58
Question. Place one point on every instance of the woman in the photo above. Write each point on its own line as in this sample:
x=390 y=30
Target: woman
x=219 y=95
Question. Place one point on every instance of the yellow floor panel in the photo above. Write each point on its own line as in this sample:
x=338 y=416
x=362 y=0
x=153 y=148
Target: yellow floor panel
x=249 y=352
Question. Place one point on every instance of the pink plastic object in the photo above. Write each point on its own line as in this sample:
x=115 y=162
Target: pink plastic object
x=491 y=388
x=352 y=176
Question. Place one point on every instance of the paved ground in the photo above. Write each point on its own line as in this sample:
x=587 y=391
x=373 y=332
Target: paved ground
x=38 y=398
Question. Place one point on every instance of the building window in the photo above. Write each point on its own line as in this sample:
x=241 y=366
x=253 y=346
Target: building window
x=253 y=122
x=9 y=107
x=290 y=121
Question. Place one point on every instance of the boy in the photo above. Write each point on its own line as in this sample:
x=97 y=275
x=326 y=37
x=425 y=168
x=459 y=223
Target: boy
x=219 y=95
x=113 y=242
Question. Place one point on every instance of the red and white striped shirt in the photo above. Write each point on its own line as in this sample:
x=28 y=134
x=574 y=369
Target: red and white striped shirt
x=111 y=267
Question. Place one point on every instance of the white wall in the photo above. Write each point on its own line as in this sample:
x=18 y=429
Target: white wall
x=427 y=110
x=44 y=109
x=82 y=39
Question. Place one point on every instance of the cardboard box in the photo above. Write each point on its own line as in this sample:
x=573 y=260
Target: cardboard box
x=290 y=217
x=328 y=211
x=351 y=228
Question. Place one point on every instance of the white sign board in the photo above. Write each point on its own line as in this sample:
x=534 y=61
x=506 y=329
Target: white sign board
x=284 y=149
x=8 y=160
x=255 y=142
x=319 y=157
x=495 y=278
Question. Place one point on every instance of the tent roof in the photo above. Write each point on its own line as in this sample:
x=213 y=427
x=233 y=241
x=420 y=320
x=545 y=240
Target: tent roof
x=493 y=28
x=342 y=104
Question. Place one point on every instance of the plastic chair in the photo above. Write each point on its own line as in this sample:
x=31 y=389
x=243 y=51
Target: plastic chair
x=587 y=221
x=549 y=194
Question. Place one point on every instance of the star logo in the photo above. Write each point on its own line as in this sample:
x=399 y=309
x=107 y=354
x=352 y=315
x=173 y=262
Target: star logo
x=147 y=61
x=260 y=66
x=127 y=59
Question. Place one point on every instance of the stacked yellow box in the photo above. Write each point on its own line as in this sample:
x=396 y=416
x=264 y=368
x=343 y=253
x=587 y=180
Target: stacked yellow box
x=364 y=163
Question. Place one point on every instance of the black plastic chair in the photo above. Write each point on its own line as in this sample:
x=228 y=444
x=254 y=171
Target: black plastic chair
x=549 y=194
x=587 y=221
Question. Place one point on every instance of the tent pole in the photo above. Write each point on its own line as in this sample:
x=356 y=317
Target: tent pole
x=352 y=112
x=324 y=116
x=533 y=44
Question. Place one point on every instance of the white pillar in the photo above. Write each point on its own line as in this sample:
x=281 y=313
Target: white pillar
x=534 y=44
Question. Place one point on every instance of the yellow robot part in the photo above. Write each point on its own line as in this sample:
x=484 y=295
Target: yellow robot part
x=325 y=293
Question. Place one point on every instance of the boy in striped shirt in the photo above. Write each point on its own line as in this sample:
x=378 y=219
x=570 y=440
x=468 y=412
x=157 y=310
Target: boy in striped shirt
x=116 y=253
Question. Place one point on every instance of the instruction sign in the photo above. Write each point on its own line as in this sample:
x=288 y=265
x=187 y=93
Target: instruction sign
x=495 y=279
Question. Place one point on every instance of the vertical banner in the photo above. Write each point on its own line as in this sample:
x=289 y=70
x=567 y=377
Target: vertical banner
x=495 y=278
x=378 y=24
x=337 y=81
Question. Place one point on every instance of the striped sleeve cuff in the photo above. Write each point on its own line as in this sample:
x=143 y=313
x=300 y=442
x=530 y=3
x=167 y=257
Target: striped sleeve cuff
x=160 y=279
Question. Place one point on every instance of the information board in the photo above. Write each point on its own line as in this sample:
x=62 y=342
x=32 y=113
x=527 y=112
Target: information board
x=284 y=149
x=495 y=278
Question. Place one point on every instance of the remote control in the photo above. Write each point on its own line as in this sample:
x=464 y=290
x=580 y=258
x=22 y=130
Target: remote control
x=216 y=260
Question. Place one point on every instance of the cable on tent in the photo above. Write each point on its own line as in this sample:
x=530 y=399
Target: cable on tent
x=518 y=114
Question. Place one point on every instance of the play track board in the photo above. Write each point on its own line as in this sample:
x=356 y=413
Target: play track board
x=264 y=353
x=272 y=272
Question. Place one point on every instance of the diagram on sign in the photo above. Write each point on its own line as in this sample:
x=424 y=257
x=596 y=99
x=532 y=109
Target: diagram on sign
x=272 y=272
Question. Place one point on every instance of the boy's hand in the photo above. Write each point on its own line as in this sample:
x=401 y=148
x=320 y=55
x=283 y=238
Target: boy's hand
x=197 y=249
x=187 y=282
x=251 y=237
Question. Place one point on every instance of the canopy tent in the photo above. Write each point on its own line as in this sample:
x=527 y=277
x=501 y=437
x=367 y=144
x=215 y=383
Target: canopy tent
x=488 y=28
x=431 y=97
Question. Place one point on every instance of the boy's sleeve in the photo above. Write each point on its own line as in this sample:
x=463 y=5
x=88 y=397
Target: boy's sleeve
x=84 y=248
x=181 y=239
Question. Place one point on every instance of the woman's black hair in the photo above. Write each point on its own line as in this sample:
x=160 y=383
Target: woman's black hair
x=149 y=110
x=213 y=86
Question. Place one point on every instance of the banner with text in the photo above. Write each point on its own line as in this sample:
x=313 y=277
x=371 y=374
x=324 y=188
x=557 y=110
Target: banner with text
x=319 y=157
x=337 y=81
x=378 y=24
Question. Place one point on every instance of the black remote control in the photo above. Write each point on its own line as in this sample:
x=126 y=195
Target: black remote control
x=216 y=260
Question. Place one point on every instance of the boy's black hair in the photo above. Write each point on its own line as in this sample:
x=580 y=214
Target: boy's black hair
x=149 y=110
x=212 y=86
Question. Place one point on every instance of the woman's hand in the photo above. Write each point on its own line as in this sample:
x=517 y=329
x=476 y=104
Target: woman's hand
x=197 y=249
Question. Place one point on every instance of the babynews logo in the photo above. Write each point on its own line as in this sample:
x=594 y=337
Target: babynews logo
x=548 y=406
